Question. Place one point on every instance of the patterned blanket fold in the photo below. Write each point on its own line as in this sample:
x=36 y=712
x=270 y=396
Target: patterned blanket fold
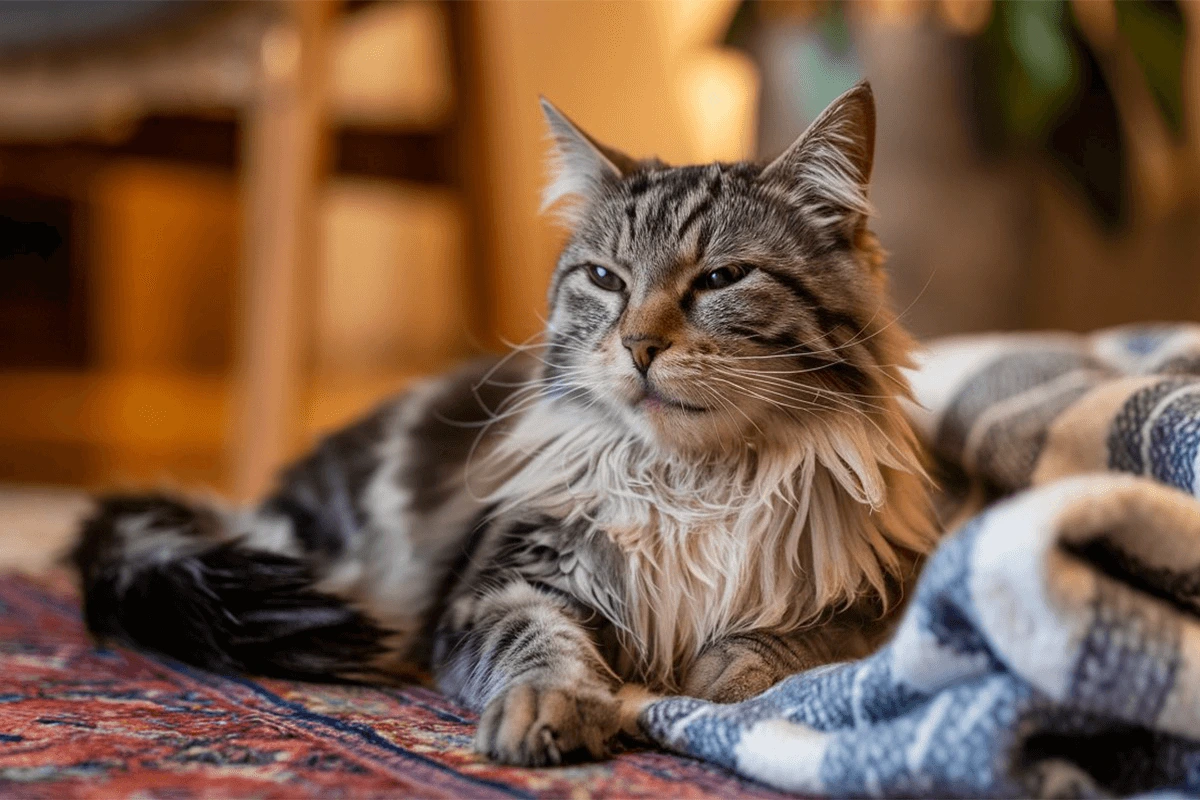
x=1052 y=647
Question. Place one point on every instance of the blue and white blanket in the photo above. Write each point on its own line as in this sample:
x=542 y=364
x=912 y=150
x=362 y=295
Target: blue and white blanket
x=1052 y=647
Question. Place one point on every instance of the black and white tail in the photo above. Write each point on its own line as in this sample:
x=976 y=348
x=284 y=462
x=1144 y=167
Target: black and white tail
x=181 y=579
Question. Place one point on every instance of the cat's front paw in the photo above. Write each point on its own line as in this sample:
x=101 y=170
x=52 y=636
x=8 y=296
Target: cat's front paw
x=733 y=670
x=533 y=724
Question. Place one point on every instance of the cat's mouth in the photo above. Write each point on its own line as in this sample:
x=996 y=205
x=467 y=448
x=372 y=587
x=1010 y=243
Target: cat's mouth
x=652 y=400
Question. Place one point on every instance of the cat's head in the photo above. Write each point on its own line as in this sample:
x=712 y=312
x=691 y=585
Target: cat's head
x=702 y=306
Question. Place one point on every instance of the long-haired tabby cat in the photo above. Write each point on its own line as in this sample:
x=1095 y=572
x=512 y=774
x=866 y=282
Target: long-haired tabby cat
x=703 y=484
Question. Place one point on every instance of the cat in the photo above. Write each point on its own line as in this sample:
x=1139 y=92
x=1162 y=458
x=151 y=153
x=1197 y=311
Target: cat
x=701 y=482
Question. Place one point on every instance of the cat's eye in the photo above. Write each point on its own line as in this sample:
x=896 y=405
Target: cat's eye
x=605 y=278
x=724 y=276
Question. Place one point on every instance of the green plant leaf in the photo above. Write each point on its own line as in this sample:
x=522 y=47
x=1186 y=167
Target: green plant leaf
x=1156 y=34
x=1036 y=35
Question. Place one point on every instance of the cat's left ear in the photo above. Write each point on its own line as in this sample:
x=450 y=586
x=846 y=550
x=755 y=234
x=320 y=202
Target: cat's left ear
x=827 y=170
x=580 y=166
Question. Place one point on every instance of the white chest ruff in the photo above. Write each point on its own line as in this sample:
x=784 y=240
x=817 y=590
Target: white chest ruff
x=710 y=549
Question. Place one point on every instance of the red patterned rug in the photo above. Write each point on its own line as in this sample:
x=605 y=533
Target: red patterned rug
x=80 y=721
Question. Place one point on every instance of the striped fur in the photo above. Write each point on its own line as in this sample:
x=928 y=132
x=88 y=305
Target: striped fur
x=699 y=481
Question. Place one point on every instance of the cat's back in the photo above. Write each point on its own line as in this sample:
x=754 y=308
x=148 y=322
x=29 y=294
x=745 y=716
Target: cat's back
x=381 y=507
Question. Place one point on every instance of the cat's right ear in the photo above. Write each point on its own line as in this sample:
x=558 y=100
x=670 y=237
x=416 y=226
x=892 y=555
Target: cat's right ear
x=579 y=164
x=826 y=171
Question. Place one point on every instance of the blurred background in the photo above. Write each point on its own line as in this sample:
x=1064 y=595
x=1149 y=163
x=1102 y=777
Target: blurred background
x=228 y=227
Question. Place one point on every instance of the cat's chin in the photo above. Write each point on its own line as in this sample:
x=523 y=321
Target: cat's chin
x=652 y=401
x=692 y=434
x=674 y=423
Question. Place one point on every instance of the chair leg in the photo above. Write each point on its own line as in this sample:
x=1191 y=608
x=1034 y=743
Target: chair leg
x=284 y=159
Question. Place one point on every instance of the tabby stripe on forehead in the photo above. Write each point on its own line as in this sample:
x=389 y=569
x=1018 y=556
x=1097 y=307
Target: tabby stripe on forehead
x=692 y=186
x=629 y=227
x=663 y=206
x=671 y=198
x=694 y=216
x=701 y=208
x=637 y=186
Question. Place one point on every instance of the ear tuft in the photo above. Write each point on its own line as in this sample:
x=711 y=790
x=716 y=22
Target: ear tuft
x=579 y=165
x=827 y=170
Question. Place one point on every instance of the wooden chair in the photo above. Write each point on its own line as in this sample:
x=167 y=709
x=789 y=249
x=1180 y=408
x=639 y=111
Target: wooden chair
x=265 y=61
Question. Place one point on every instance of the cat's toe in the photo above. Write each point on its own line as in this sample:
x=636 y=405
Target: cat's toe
x=538 y=726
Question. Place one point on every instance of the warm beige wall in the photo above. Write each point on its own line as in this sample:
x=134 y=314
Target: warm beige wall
x=391 y=288
x=641 y=76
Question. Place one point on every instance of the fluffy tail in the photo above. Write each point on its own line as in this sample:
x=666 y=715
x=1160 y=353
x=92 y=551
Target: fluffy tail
x=180 y=579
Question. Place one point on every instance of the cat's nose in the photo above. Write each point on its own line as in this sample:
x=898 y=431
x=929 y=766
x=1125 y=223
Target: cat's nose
x=644 y=350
